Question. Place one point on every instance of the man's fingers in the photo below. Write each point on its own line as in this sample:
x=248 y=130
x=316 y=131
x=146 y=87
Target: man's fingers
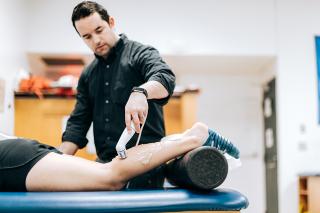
x=142 y=117
x=128 y=121
x=136 y=121
x=145 y=114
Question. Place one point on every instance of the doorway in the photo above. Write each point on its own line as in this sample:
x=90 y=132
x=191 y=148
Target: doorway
x=270 y=146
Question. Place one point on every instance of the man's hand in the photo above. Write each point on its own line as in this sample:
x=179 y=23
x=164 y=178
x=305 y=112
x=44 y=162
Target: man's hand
x=136 y=110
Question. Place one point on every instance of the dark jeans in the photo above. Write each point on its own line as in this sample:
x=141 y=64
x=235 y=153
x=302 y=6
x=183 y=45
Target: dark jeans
x=153 y=179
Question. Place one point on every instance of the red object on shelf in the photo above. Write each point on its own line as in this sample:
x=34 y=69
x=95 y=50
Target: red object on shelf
x=35 y=84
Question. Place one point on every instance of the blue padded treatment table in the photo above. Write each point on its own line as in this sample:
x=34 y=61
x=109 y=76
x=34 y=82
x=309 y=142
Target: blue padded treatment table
x=167 y=200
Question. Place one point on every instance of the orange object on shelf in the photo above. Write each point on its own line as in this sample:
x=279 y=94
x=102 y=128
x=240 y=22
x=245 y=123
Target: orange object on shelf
x=35 y=84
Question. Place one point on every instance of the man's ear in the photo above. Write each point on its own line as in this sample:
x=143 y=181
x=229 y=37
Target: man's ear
x=111 y=22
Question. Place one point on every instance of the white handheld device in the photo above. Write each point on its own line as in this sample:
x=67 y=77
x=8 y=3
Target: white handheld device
x=123 y=140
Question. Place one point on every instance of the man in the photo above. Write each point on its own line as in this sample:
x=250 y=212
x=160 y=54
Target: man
x=127 y=81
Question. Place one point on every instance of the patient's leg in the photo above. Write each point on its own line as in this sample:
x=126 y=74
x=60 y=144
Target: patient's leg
x=57 y=172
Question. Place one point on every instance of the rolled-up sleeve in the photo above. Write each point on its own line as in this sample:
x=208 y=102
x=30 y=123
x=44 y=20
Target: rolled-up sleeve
x=81 y=117
x=153 y=68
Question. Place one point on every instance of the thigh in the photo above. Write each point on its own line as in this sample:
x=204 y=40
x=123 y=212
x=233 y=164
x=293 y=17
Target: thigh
x=56 y=172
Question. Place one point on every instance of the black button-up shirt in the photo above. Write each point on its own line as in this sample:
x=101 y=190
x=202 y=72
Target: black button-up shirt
x=103 y=90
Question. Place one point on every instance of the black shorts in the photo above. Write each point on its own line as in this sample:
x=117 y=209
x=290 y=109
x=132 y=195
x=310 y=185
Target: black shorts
x=17 y=157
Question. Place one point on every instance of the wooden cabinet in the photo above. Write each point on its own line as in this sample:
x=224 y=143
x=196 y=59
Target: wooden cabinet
x=42 y=119
x=180 y=112
x=309 y=193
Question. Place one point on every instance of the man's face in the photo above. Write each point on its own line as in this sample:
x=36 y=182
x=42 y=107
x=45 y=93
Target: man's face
x=97 y=33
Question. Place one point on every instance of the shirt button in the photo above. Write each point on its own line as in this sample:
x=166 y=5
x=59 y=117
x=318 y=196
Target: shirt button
x=107 y=83
x=108 y=138
x=108 y=66
x=107 y=101
x=107 y=119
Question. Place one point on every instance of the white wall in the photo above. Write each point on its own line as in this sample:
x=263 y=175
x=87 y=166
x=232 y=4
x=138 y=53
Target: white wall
x=231 y=104
x=297 y=24
x=12 y=42
x=201 y=27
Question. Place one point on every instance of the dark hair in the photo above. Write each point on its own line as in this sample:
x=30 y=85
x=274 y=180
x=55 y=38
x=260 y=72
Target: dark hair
x=87 y=8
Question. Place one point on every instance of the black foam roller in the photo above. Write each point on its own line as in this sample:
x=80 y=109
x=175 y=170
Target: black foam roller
x=202 y=168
